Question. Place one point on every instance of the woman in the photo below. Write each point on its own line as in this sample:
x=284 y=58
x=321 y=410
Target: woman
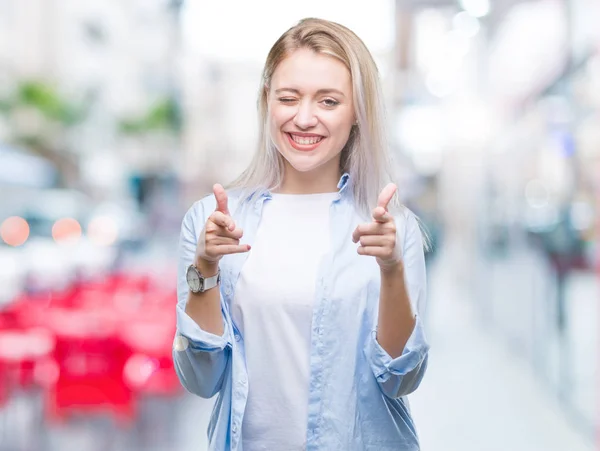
x=313 y=339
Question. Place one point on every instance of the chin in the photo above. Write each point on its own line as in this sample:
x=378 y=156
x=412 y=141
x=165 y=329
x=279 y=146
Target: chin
x=301 y=164
x=303 y=168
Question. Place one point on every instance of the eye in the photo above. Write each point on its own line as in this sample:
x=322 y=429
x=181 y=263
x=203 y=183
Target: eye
x=330 y=103
x=286 y=99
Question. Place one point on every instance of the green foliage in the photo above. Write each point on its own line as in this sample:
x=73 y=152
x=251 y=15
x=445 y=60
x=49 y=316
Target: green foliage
x=44 y=98
x=163 y=115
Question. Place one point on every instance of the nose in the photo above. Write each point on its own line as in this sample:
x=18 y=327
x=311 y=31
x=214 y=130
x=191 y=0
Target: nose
x=305 y=116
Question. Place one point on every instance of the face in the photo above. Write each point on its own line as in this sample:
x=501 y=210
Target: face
x=311 y=112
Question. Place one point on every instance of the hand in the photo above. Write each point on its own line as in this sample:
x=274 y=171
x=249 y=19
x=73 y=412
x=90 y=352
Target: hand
x=220 y=236
x=378 y=238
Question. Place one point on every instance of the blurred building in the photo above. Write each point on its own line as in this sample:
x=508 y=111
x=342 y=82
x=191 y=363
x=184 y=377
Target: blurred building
x=116 y=61
x=497 y=102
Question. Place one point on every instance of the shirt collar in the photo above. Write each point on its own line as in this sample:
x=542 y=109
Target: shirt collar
x=342 y=186
x=343 y=183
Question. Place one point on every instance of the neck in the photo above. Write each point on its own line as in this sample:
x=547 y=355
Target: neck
x=313 y=182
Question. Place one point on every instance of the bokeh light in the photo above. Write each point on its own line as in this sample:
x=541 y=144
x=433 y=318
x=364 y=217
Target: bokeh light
x=14 y=231
x=102 y=231
x=66 y=230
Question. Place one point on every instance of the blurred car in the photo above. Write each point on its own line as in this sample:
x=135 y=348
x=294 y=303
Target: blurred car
x=64 y=235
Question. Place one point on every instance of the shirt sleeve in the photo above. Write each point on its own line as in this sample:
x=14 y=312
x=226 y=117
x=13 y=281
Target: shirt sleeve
x=401 y=376
x=200 y=357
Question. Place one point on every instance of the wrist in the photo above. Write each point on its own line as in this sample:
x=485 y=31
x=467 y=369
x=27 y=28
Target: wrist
x=392 y=269
x=206 y=268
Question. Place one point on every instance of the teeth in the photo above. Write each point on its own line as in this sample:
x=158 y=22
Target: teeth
x=308 y=140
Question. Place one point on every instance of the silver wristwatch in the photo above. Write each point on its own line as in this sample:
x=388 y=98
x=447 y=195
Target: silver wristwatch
x=198 y=283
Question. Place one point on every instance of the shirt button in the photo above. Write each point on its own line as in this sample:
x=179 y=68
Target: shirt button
x=227 y=291
x=234 y=428
x=238 y=337
x=243 y=381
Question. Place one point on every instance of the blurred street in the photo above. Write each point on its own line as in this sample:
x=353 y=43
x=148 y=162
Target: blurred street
x=479 y=392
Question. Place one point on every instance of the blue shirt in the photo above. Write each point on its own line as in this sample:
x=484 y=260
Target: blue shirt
x=357 y=392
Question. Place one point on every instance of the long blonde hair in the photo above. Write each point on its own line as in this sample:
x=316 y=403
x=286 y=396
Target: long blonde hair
x=365 y=156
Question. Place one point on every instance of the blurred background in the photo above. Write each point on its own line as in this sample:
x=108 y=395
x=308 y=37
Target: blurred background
x=116 y=115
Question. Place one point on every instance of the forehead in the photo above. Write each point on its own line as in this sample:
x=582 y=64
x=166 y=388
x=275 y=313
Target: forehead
x=307 y=70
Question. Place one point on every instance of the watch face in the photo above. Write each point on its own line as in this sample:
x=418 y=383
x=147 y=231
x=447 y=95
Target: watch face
x=193 y=279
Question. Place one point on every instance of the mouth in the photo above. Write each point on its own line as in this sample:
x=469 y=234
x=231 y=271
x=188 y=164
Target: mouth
x=304 y=143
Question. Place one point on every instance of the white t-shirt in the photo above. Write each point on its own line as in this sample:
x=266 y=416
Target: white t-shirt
x=273 y=307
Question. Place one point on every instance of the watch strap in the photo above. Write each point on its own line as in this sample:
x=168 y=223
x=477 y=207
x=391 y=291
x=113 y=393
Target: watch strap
x=210 y=282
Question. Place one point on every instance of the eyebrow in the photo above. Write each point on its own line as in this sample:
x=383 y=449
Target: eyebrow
x=319 y=92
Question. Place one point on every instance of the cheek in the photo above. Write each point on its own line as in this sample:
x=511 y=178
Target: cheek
x=279 y=116
x=341 y=130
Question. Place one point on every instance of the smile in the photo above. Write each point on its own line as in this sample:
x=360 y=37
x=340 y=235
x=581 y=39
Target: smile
x=304 y=143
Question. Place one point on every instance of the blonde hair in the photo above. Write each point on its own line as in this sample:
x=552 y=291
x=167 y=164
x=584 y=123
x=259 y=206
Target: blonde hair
x=365 y=156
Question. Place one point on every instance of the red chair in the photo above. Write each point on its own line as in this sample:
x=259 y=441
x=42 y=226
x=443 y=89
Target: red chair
x=150 y=370
x=20 y=352
x=90 y=359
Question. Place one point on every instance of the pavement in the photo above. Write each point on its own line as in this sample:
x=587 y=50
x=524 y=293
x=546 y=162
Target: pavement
x=480 y=393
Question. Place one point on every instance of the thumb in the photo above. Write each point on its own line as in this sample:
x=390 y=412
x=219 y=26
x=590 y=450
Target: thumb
x=221 y=197
x=386 y=195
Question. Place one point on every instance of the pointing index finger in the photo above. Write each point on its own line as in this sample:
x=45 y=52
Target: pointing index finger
x=386 y=195
x=221 y=197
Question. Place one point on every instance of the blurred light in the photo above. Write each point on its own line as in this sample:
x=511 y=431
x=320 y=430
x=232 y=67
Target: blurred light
x=566 y=142
x=430 y=34
x=420 y=129
x=476 y=8
x=421 y=132
x=440 y=85
x=103 y=231
x=66 y=229
x=138 y=369
x=537 y=194
x=466 y=24
x=519 y=62
x=582 y=215
x=470 y=123
x=375 y=26
x=458 y=45
x=14 y=231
